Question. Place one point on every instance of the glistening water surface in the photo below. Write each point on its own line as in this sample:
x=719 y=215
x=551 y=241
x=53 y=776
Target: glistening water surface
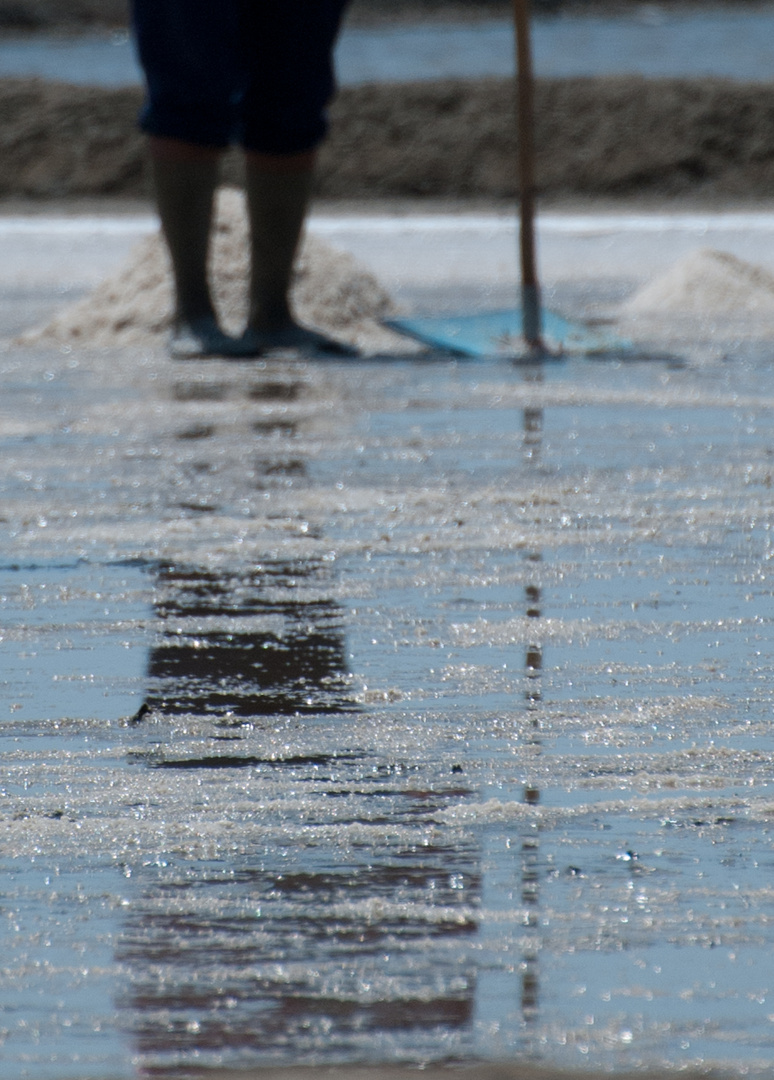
x=385 y=712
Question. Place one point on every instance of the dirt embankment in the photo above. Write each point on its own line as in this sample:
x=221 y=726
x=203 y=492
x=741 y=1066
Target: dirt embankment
x=74 y=15
x=595 y=136
x=60 y=140
x=47 y=15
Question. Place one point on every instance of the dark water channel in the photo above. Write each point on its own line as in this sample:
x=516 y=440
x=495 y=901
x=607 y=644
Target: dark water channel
x=393 y=713
x=650 y=41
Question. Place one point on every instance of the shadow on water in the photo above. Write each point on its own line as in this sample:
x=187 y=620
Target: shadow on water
x=301 y=947
x=308 y=968
x=533 y=669
x=253 y=645
x=247 y=643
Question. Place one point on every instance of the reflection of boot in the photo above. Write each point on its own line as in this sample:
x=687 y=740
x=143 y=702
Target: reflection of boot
x=277 y=200
x=185 y=179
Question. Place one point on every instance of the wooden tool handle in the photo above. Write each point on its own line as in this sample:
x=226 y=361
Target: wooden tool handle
x=526 y=167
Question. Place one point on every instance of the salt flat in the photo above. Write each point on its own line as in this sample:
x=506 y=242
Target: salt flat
x=403 y=712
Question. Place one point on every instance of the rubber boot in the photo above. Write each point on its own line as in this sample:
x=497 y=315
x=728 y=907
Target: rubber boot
x=185 y=178
x=277 y=200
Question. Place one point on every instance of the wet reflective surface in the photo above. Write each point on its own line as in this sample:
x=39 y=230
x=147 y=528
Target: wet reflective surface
x=267 y=644
x=391 y=712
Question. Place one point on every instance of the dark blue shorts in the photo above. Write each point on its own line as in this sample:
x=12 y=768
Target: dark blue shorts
x=258 y=73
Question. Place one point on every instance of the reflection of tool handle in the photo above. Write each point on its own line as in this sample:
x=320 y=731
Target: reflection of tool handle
x=530 y=290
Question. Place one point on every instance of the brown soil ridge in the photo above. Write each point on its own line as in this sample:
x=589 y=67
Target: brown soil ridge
x=69 y=15
x=610 y=137
x=46 y=15
x=77 y=15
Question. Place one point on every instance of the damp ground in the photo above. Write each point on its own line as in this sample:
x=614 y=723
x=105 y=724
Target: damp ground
x=416 y=710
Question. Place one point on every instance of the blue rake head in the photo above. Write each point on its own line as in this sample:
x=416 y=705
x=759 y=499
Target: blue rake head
x=499 y=334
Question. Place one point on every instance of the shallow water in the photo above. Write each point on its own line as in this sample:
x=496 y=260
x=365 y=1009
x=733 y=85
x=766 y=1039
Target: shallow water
x=655 y=43
x=393 y=712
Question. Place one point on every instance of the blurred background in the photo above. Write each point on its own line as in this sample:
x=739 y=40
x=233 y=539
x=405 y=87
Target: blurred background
x=635 y=101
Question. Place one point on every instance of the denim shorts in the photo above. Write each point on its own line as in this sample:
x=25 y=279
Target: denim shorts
x=258 y=73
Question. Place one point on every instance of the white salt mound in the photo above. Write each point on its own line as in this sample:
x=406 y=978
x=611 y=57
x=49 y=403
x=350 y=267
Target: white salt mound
x=707 y=282
x=331 y=292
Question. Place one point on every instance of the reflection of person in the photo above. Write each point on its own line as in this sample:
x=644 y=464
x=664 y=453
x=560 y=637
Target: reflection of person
x=254 y=72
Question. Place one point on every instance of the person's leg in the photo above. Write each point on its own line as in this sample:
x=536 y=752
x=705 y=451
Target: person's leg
x=278 y=188
x=284 y=118
x=185 y=176
x=189 y=54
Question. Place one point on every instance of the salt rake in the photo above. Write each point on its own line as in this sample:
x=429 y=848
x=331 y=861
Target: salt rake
x=528 y=333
